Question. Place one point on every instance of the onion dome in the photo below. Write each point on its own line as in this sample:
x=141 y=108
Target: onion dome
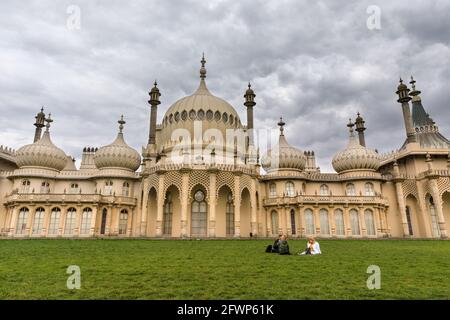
x=355 y=156
x=118 y=154
x=42 y=153
x=199 y=107
x=283 y=155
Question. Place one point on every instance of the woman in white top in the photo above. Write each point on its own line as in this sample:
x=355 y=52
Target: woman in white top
x=312 y=247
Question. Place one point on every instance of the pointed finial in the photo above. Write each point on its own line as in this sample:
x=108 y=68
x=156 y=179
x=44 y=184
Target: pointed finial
x=413 y=83
x=49 y=121
x=42 y=109
x=414 y=93
x=281 y=123
x=350 y=126
x=156 y=83
x=203 y=69
x=121 y=122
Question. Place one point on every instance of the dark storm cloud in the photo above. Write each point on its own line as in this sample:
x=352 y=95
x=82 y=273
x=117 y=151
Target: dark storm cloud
x=315 y=63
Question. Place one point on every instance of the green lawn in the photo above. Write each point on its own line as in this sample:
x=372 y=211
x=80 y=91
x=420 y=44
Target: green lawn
x=222 y=269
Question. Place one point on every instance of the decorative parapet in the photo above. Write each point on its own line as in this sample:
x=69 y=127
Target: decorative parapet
x=8 y=154
x=221 y=167
x=63 y=198
x=433 y=173
x=329 y=200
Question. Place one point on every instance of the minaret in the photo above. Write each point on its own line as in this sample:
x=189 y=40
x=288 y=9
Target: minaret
x=250 y=103
x=404 y=98
x=154 y=102
x=359 y=122
x=39 y=124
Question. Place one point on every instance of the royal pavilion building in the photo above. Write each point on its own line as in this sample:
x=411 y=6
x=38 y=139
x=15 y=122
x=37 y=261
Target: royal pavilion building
x=200 y=175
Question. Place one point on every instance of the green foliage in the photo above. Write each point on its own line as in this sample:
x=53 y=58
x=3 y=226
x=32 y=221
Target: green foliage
x=222 y=269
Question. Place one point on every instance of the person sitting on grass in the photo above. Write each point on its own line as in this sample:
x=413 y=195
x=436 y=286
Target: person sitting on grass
x=274 y=248
x=312 y=247
x=283 y=246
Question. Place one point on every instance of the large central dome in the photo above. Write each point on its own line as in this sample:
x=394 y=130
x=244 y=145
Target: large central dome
x=201 y=109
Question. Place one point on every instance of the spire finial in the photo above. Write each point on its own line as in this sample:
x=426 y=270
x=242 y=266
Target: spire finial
x=42 y=109
x=121 y=122
x=350 y=126
x=203 y=69
x=155 y=84
x=49 y=121
x=414 y=93
x=281 y=123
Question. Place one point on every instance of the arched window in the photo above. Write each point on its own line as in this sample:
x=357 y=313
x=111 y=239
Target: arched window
x=274 y=218
x=45 y=187
x=290 y=189
x=339 y=222
x=309 y=222
x=71 y=218
x=38 y=221
x=351 y=191
x=354 y=219
x=86 y=219
x=22 y=221
x=126 y=189
x=324 y=190
x=272 y=190
x=408 y=219
x=168 y=214
x=123 y=221
x=368 y=189
x=434 y=219
x=324 y=223
x=370 y=223
x=104 y=220
x=54 y=221
x=25 y=186
x=230 y=215
x=108 y=190
x=199 y=214
x=74 y=188
x=293 y=224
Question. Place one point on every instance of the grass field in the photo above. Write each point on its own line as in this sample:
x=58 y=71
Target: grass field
x=222 y=269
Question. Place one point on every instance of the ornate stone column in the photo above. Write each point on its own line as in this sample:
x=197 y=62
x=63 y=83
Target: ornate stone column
x=184 y=197
x=332 y=222
x=13 y=222
x=347 y=224
x=362 y=221
x=301 y=221
x=62 y=221
x=47 y=216
x=212 y=201
x=93 y=220
x=287 y=217
x=237 y=204
x=316 y=219
x=30 y=222
x=144 y=209
x=254 y=205
x=160 y=205
x=438 y=205
x=268 y=223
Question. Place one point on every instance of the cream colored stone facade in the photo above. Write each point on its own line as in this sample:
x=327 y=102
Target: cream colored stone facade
x=211 y=189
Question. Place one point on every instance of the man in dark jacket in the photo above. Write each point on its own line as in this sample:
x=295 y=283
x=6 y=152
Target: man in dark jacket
x=275 y=247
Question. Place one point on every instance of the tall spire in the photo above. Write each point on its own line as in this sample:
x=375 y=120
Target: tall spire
x=49 y=121
x=154 y=102
x=250 y=103
x=203 y=69
x=403 y=99
x=281 y=123
x=360 y=128
x=414 y=93
x=39 y=124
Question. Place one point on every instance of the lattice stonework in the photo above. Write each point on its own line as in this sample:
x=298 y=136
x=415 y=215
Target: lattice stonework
x=443 y=185
x=224 y=179
x=410 y=188
x=153 y=182
x=246 y=182
x=426 y=188
x=172 y=178
x=199 y=177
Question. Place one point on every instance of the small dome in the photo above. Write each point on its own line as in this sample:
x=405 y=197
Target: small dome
x=118 y=154
x=356 y=157
x=42 y=153
x=283 y=156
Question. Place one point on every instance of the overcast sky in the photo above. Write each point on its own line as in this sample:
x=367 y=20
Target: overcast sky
x=314 y=63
